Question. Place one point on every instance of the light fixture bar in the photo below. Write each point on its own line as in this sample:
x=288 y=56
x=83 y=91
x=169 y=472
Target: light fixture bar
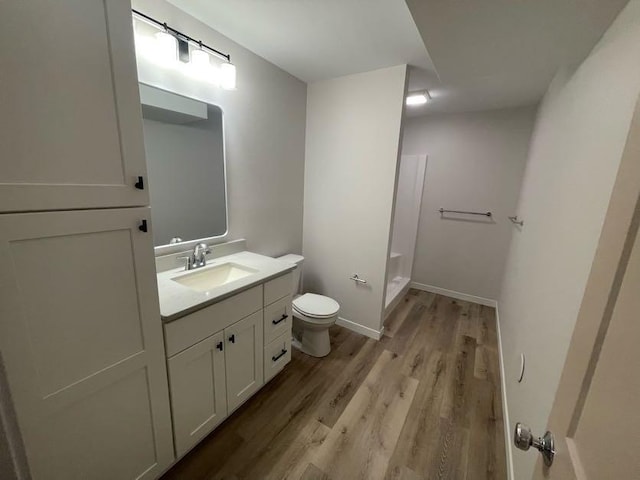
x=180 y=35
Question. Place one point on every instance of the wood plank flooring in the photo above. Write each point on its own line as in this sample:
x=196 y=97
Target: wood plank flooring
x=423 y=403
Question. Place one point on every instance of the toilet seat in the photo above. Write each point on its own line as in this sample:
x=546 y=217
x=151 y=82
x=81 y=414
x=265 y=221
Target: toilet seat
x=316 y=306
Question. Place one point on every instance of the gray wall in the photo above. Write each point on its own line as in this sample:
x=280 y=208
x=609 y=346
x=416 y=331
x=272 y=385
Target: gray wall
x=475 y=162
x=265 y=135
x=575 y=153
x=353 y=139
x=185 y=164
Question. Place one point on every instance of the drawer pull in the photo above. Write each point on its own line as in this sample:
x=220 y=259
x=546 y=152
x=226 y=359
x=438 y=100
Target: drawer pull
x=280 y=320
x=232 y=339
x=275 y=358
x=219 y=346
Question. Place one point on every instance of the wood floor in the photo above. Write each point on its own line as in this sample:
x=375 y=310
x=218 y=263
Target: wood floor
x=423 y=403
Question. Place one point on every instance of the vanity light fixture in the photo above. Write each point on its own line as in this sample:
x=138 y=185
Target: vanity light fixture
x=228 y=76
x=172 y=45
x=418 y=98
x=166 y=48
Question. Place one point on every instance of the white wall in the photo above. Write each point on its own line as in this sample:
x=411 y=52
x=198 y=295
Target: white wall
x=264 y=128
x=575 y=154
x=476 y=162
x=353 y=137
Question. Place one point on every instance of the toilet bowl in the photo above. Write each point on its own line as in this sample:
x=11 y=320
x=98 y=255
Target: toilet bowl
x=312 y=315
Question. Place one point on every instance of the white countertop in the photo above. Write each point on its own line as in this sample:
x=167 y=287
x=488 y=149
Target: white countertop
x=176 y=300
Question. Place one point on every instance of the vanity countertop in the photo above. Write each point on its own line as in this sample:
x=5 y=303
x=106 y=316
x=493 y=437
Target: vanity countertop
x=177 y=300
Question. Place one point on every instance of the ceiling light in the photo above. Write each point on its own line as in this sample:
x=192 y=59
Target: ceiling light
x=417 y=98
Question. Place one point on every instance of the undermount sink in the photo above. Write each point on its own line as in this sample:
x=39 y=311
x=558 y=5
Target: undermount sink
x=212 y=277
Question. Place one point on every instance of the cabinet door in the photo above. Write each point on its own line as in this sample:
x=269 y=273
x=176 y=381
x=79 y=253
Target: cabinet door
x=243 y=357
x=70 y=122
x=81 y=341
x=198 y=391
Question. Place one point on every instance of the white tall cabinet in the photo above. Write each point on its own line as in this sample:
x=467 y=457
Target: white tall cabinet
x=80 y=337
x=70 y=128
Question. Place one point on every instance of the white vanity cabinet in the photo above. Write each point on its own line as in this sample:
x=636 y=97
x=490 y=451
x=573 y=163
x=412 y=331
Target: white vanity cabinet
x=221 y=355
x=243 y=357
x=198 y=391
x=71 y=133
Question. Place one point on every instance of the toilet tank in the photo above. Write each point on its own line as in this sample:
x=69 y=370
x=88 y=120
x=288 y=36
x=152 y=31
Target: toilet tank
x=297 y=260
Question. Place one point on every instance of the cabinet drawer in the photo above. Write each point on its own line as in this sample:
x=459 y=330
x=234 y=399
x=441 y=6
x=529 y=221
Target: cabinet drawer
x=276 y=355
x=277 y=288
x=277 y=319
x=189 y=330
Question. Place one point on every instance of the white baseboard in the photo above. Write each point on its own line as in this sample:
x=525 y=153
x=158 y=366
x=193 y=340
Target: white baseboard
x=453 y=294
x=505 y=408
x=356 y=327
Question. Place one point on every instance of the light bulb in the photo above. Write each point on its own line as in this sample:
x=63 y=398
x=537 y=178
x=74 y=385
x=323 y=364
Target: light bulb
x=166 y=48
x=228 y=76
x=419 y=99
x=200 y=59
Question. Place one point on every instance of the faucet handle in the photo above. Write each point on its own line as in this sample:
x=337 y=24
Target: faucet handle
x=189 y=261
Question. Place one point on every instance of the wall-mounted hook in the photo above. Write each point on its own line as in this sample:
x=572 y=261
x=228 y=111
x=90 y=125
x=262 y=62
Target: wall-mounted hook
x=515 y=221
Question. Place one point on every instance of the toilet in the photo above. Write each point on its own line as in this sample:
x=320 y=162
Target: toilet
x=312 y=315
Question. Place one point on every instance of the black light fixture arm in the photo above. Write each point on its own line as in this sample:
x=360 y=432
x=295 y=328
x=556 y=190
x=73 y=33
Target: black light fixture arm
x=180 y=35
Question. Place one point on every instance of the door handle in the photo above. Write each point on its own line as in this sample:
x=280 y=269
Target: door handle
x=232 y=339
x=524 y=439
x=281 y=319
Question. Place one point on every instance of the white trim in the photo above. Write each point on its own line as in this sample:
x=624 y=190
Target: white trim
x=356 y=327
x=505 y=409
x=397 y=298
x=453 y=294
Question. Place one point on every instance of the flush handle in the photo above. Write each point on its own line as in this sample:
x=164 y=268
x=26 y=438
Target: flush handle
x=280 y=320
x=524 y=439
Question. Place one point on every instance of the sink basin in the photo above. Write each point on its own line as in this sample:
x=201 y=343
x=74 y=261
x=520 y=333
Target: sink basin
x=212 y=277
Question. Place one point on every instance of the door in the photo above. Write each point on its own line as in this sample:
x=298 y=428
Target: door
x=595 y=416
x=70 y=122
x=243 y=357
x=81 y=342
x=198 y=391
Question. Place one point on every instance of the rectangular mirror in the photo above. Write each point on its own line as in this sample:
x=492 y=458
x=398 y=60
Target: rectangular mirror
x=184 y=145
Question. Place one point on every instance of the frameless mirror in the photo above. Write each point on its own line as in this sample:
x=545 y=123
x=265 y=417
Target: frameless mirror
x=184 y=145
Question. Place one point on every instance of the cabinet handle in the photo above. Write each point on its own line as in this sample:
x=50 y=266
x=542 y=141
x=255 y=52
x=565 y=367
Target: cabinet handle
x=143 y=226
x=281 y=319
x=219 y=346
x=140 y=183
x=275 y=358
x=232 y=339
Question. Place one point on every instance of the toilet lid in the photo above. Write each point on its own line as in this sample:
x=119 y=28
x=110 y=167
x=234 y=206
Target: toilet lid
x=316 y=305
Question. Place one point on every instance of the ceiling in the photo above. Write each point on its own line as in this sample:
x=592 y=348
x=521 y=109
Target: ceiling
x=502 y=53
x=318 y=39
x=479 y=54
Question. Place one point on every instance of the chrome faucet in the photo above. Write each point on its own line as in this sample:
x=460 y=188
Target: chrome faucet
x=197 y=258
